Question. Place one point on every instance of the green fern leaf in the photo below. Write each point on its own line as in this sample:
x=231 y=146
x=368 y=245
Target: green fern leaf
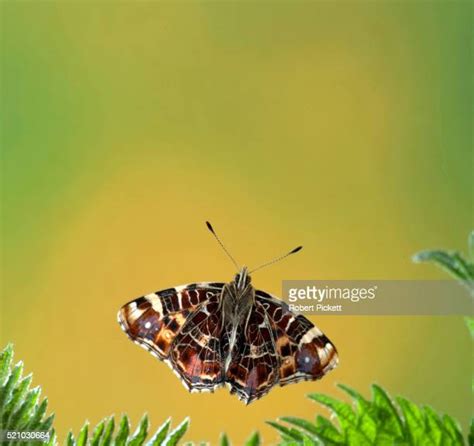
x=323 y=432
x=390 y=420
x=447 y=261
x=289 y=433
x=224 y=440
x=83 y=435
x=6 y=357
x=435 y=430
x=12 y=381
x=302 y=424
x=23 y=415
x=18 y=395
x=348 y=420
x=20 y=408
x=176 y=435
x=140 y=434
x=328 y=432
x=52 y=439
x=160 y=435
x=254 y=440
x=463 y=265
x=124 y=430
x=453 y=430
x=47 y=424
x=103 y=434
x=414 y=426
x=366 y=414
x=106 y=439
x=97 y=433
x=343 y=410
x=405 y=425
x=70 y=439
x=470 y=438
x=37 y=415
x=453 y=262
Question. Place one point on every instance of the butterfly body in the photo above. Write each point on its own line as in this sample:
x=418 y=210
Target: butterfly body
x=237 y=299
x=213 y=333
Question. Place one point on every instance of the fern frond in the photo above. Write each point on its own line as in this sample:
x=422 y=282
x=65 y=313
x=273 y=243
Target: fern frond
x=103 y=434
x=21 y=408
x=378 y=422
x=457 y=265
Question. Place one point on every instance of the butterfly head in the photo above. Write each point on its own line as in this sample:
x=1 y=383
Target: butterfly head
x=242 y=278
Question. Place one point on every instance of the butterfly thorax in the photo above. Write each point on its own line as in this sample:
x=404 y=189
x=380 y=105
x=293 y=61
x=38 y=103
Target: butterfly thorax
x=238 y=297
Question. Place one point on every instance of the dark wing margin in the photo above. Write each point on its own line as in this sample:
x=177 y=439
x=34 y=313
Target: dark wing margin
x=304 y=352
x=153 y=321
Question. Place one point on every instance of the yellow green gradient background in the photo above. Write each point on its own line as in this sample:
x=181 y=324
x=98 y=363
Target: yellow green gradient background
x=341 y=126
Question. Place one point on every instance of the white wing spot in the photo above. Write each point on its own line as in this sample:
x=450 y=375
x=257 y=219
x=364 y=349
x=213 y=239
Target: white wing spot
x=148 y=325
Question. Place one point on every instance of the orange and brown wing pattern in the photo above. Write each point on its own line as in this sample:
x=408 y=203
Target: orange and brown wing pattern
x=304 y=352
x=153 y=321
x=251 y=351
x=197 y=356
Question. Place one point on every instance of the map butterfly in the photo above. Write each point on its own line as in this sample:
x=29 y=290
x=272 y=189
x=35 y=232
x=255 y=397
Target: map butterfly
x=213 y=333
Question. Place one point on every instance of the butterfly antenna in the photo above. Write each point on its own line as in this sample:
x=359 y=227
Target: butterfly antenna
x=299 y=248
x=209 y=226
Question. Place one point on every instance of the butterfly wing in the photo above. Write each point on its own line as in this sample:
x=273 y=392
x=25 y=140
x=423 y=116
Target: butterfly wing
x=303 y=351
x=183 y=326
x=254 y=364
x=197 y=355
x=156 y=321
x=276 y=346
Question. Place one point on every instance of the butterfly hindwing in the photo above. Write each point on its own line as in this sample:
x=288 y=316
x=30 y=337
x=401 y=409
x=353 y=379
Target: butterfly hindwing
x=197 y=355
x=253 y=368
x=304 y=352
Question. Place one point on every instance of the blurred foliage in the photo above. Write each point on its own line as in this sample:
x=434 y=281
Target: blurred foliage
x=458 y=266
x=462 y=269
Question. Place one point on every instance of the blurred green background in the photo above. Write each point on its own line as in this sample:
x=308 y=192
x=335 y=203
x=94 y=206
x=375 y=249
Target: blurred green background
x=341 y=126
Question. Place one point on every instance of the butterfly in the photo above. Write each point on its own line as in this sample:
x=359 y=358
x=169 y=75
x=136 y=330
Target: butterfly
x=213 y=333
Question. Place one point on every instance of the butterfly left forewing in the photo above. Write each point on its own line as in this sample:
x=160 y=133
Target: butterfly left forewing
x=153 y=321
